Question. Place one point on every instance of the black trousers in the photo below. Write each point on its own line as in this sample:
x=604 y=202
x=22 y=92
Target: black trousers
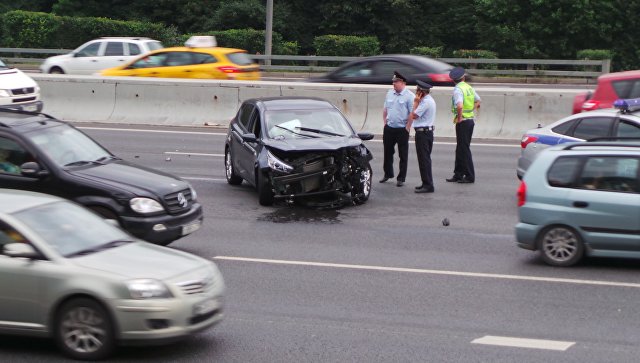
x=424 y=145
x=464 y=160
x=390 y=137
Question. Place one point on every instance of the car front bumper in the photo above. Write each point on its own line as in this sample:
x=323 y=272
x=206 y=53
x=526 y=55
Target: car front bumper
x=35 y=106
x=165 y=228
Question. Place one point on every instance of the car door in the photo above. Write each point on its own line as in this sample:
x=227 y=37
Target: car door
x=177 y=65
x=605 y=203
x=243 y=155
x=151 y=65
x=85 y=60
x=360 y=72
x=13 y=155
x=113 y=56
x=383 y=71
x=591 y=127
x=20 y=284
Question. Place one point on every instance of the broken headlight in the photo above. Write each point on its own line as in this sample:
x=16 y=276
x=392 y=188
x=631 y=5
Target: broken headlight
x=277 y=164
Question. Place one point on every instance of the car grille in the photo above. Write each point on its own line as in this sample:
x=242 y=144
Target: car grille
x=26 y=99
x=22 y=91
x=174 y=200
x=196 y=286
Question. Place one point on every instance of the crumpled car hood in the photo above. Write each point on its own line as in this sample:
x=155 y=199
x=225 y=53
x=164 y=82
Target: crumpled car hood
x=321 y=143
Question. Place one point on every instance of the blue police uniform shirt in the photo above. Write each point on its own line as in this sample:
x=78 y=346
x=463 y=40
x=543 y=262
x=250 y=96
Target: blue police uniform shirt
x=398 y=106
x=426 y=112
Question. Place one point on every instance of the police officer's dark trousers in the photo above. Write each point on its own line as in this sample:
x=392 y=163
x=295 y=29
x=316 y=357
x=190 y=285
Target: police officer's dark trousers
x=390 y=137
x=424 y=145
x=464 y=161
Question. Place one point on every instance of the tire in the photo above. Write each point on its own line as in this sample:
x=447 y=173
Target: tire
x=265 y=192
x=84 y=330
x=232 y=177
x=362 y=189
x=560 y=246
x=56 y=70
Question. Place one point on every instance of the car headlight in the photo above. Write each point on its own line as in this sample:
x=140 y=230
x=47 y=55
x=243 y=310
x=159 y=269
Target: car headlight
x=4 y=93
x=145 y=205
x=194 y=195
x=148 y=289
x=277 y=164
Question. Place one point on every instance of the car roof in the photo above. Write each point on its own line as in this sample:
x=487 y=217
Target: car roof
x=211 y=50
x=619 y=75
x=412 y=58
x=13 y=200
x=25 y=120
x=289 y=103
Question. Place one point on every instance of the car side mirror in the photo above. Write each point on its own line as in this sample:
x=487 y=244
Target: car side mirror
x=249 y=137
x=33 y=170
x=364 y=136
x=22 y=250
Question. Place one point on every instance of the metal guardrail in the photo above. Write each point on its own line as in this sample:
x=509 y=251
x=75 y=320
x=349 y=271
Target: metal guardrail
x=534 y=67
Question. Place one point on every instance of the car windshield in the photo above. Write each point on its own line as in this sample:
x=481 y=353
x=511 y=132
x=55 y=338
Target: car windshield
x=154 y=45
x=70 y=229
x=3 y=65
x=294 y=124
x=65 y=145
x=240 y=58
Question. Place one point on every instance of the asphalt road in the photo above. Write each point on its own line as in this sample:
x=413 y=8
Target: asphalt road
x=381 y=282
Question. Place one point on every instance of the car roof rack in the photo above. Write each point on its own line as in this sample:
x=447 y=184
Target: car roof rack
x=627 y=105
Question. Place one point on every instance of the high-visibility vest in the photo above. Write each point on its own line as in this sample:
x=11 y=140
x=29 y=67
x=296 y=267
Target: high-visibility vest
x=468 y=101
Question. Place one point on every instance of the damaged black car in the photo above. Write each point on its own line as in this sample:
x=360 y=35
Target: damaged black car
x=298 y=150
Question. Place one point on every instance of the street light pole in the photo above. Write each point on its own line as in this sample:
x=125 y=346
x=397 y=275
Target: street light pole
x=269 y=32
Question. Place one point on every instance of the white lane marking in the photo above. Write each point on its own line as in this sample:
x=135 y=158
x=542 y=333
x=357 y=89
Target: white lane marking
x=225 y=134
x=524 y=343
x=433 y=272
x=191 y=154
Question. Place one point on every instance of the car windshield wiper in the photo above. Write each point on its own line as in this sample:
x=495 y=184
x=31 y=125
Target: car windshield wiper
x=88 y=251
x=318 y=131
x=293 y=132
x=105 y=158
x=85 y=162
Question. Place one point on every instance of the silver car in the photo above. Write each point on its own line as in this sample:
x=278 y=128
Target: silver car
x=579 y=127
x=68 y=274
x=581 y=199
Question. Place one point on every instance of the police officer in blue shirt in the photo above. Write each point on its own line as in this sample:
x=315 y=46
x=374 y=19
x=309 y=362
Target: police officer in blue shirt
x=422 y=118
x=397 y=106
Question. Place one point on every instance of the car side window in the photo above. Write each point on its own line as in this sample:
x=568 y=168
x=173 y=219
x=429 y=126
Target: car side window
x=114 y=49
x=627 y=129
x=150 y=61
x=134 y=49
x=245 y=115
x=90 y=50
x=12 y=155
x=256 y=128
x=178 y=59
x=564 y=128
x=627 y=88
x=610 y=173
x=356 y=70
x=9 y=235
x=563 y=171
x=202 y=58
x=591 y=127
x=388 y=67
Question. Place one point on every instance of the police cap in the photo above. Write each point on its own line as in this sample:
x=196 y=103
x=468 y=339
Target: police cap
x=423 y=85
x=457 y=73
x=398 y=77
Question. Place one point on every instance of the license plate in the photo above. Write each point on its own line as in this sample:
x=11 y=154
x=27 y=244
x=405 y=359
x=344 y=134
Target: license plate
x=30 y=108
x=190 y=228
x=205 y=307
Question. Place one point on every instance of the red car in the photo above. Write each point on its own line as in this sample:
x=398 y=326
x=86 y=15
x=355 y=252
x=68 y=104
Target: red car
x=611 y=86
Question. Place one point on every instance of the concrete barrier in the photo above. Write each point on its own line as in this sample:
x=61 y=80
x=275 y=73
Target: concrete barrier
x=504 y=112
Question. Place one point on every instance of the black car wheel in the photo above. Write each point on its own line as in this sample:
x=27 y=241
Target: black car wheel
x=265 y=192
x=362 y=188
x=84 y=330
x=560 y=246
x=232 y=177
x=56 y=70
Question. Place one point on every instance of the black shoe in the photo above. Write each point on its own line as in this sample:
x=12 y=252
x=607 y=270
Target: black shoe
x=384 y=179
x=425 y=190
x=400 y=183
x=419 y=186
x=465 y=180
x=453 y=179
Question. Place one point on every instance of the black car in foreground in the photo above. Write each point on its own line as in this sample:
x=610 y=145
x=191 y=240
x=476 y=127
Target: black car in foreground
x=298 y=149
x=43 y=154
x=379 y=70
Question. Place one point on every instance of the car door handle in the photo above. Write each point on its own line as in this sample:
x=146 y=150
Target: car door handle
x=580 y=204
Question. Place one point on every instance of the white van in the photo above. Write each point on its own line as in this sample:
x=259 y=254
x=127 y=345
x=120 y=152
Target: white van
x=18 y=91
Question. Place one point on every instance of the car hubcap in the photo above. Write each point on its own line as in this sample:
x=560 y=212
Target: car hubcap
x=229 y=166
x=81 y=330
x=560 y=244
x=365 y=180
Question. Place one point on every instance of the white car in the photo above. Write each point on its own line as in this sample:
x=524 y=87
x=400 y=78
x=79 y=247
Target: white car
x=99 y=54
x=18 y=91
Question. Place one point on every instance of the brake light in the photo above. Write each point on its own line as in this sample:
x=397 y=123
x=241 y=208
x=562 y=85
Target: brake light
x=522 y=194
x=590 y=105
x=527 y=139
x=229 y=69
x=439 y=77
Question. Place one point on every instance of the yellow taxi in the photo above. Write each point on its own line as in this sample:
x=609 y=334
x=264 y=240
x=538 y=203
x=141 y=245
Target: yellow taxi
x=199 y=58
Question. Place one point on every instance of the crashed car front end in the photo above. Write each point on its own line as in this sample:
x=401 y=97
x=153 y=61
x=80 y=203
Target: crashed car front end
x=331 y=175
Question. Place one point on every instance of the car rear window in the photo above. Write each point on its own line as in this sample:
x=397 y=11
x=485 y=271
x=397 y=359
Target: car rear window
x=240 y=58
x=563 y=171
x=563 y=128
x=627 y=89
